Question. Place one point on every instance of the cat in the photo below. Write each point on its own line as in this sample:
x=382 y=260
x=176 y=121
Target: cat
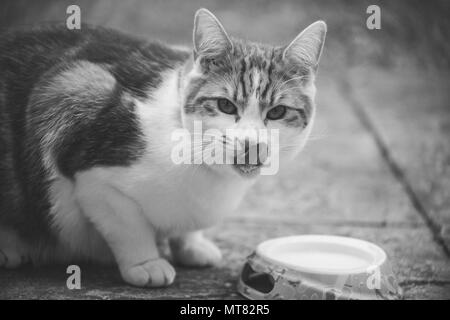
x=86 y=118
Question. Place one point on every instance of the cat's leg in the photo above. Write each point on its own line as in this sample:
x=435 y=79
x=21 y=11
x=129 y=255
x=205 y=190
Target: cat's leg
x=194 y=250
x=130 y=236
x=13 y=251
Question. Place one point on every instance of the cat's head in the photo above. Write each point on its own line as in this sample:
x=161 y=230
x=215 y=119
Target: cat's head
x=237 y=88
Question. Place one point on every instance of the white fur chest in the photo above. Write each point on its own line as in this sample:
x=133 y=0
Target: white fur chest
x=175 y=200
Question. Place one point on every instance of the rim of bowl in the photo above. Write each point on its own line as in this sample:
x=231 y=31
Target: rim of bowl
x=378 y=255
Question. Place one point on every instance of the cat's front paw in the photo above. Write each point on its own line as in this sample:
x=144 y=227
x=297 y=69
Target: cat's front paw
x=200 y=252
x=152 y=273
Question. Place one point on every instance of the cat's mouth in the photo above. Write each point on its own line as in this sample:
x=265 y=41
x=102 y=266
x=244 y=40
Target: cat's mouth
x=247 y=170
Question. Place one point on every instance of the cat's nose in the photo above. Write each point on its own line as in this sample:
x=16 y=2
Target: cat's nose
x=254 y=153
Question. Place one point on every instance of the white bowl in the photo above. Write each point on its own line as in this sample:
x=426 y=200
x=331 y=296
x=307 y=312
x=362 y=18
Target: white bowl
x=323 y=254
x=318 y=267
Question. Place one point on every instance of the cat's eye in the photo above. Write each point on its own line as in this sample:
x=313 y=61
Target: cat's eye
x=226 y=106
x=276 y=113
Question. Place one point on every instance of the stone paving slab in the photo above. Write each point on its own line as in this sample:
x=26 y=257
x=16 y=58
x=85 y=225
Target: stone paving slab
x=427 y=291
x=410 y=110
x=105 y=283
x=415 y=258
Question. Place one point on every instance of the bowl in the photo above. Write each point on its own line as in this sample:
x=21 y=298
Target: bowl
x=318 y=267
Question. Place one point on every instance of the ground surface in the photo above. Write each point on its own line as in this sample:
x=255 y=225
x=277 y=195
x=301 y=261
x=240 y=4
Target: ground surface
x=376 y=168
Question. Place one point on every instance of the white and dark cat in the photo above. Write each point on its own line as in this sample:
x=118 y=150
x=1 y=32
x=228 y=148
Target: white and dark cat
x=86 y=118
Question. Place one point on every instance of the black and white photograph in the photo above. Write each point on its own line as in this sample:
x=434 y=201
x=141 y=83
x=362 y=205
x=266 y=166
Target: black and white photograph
x=224 y=150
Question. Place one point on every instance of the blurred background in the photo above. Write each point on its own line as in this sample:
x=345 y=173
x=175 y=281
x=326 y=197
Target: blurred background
x=378 y=163
x=410 y=28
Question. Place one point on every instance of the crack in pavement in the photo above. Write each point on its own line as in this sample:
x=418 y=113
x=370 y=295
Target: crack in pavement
x=398 y=173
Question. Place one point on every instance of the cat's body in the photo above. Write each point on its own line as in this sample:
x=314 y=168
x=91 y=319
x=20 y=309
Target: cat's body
x=86 y=118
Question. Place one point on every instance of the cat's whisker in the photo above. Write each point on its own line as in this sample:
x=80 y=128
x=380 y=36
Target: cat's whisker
x=285 y=73
x=288 y=89
x=316 y=138
x=294 y=78
x=226 y=142
x=207 y=155
x=279 y=83
x=197 y=166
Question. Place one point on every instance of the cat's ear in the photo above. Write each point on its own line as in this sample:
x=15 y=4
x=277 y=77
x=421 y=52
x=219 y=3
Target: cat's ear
x=210 y=38
x=307 y=46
